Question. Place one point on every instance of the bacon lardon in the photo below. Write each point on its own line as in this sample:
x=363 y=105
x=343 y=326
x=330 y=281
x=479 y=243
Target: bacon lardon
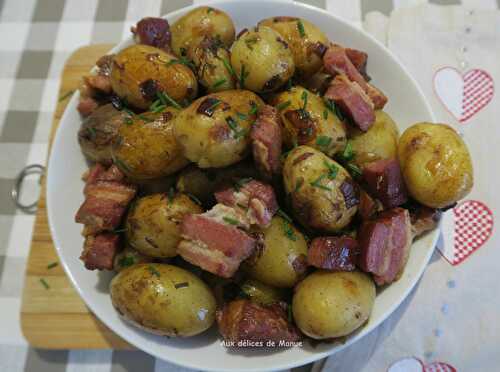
x=352 y=100
x=368 y=206
x=243 y=320
x=99 y=251
x=153 y=31
x=106 y=200
x=359 y=59
x=333 y=253
x=255 y=198
x=213 y=241
x=337 y=62
x=267 y=142
x=384 y=244
x=424 y=219
x=384 y=181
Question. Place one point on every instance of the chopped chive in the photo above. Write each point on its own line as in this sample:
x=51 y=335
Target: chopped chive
x=238 y=132
x=68 y=94
x=283 y=214
x=153 y=271
x=183 y=61
x=126 y=261
x=287 y=229
x=167 y=100
x=348 y=153
x=304 y=99
x=116 y=231
x=323 y=141
x=289 y=84
x=283 y=105
x=145 y=118
x=332 y=170
x=216 y=103
x=210 y=10
x=44 y=283
x=158 y=109
x=299 y=184
x=128 y=120
x=218 y=83
x=243 y=75
x=339 y=113
x=241 y=116
x=316 y=183
x=325 y=114
x=290 y=314
x=52 y=265
x=92 y=132
x=239 y=183
x=171 y=193
x=254 y=109
x=228 y=67
x=354 y=170
x=230 y=220
x=181 y=285
x=300 y=27
x=194 y=198
x=250 y=42
x=241 y=206
x=122 y=165
x=330 y=105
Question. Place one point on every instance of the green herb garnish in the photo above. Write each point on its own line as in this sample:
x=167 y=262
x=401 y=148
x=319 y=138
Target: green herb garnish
x=68 y=94
x=121 y=164
x=299 y=184
x=323 y=141
x=317 y=183
x=116 y=231
x=158 y=109
x=330 y=105
x=250 y=42
x=216 y=103
x=254 y=109
x=230 y=220
x=325 y=114
x=300 y=27
x=238 y=132
x=241 y=116
x=219 y=82
x=44 y=283
x=243 y=75
x=126 y=261
x=228 y=67
x=210 y=10
x=92 y=132
x=239 y=183
x=287 y=229
x=181 y=285
x=283 y=105
x=304 y=99
x=128 y=120
x=145 y=118
x=348 y=153
x=52 y=265
x=167 y=100
x=283 y=214
x=153 y=271
x=354 y=170
x=194 y=198
x=171 y=194
x=332 y=170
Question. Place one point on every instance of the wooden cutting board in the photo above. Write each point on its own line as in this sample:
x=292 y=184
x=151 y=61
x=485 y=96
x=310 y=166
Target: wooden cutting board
x=56 y=317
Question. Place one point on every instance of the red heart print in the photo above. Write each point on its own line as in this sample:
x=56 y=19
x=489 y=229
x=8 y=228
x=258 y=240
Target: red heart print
x=463 y=95
x=413 y=364
x=473 y=227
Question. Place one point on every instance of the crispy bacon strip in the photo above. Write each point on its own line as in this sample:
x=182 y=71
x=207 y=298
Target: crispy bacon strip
x=153 y=31
x=333 y=253
x=368 y=206
x=99 y=251
x=424 y=219
x=242 y=320
x=214 y=242
x=352 y=100
x=267 y=142
x=384 y=181
x=255 y=198
x=359 y=59
x=385 y=245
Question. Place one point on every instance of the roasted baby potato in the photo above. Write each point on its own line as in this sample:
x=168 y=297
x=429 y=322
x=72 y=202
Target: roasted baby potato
x=202 y=183
x=379 y=142
x=128 y=257
x=146 y=147
x=163 y=299
x=282 y=261
x=98 y=133
x=152 y=224
x=436 y=164
x=261 y=293
x=140 y=71
x=261 y=60
x=203 y=21
x=321 y=192
x=307 y=121
x=333 y=304
x=214 y=131
x=211 y=60
x=304 y=39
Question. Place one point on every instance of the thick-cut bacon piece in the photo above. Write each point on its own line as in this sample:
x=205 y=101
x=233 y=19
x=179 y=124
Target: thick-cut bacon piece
x=359 y=59
x=352 y=100
x=267 y=141
x=257 y=199
x=367 y=205
x=376 y=96
x=333 y=253
x=99 y=173
x=243 y=320
x=153 y=31
x=87 y=106
x=424 y=219
x=101 y=83
x=213 y=243
x=384 y=244
x=384 y=181
x=337 y=62
x=99 y=251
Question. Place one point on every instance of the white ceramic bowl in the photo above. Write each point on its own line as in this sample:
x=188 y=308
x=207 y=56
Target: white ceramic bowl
x=406 y=105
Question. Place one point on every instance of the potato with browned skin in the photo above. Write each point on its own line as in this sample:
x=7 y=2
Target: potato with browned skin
x=281 y=260
x=214 y=131
x=163 y=299
x=436 y=164
x=139 y=72
x=152 y=224
x=333 y=304
x=321 y=192
x=146 y=148
x=305 y=40
x=308 y=121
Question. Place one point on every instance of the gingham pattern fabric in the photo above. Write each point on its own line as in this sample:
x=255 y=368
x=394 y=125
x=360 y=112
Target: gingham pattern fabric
x=478 y=92
x=36 y=39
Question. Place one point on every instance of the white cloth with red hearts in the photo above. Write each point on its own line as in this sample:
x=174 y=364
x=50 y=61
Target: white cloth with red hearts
x=451 y=321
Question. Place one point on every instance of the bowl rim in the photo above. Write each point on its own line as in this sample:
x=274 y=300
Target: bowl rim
x=305 y=360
